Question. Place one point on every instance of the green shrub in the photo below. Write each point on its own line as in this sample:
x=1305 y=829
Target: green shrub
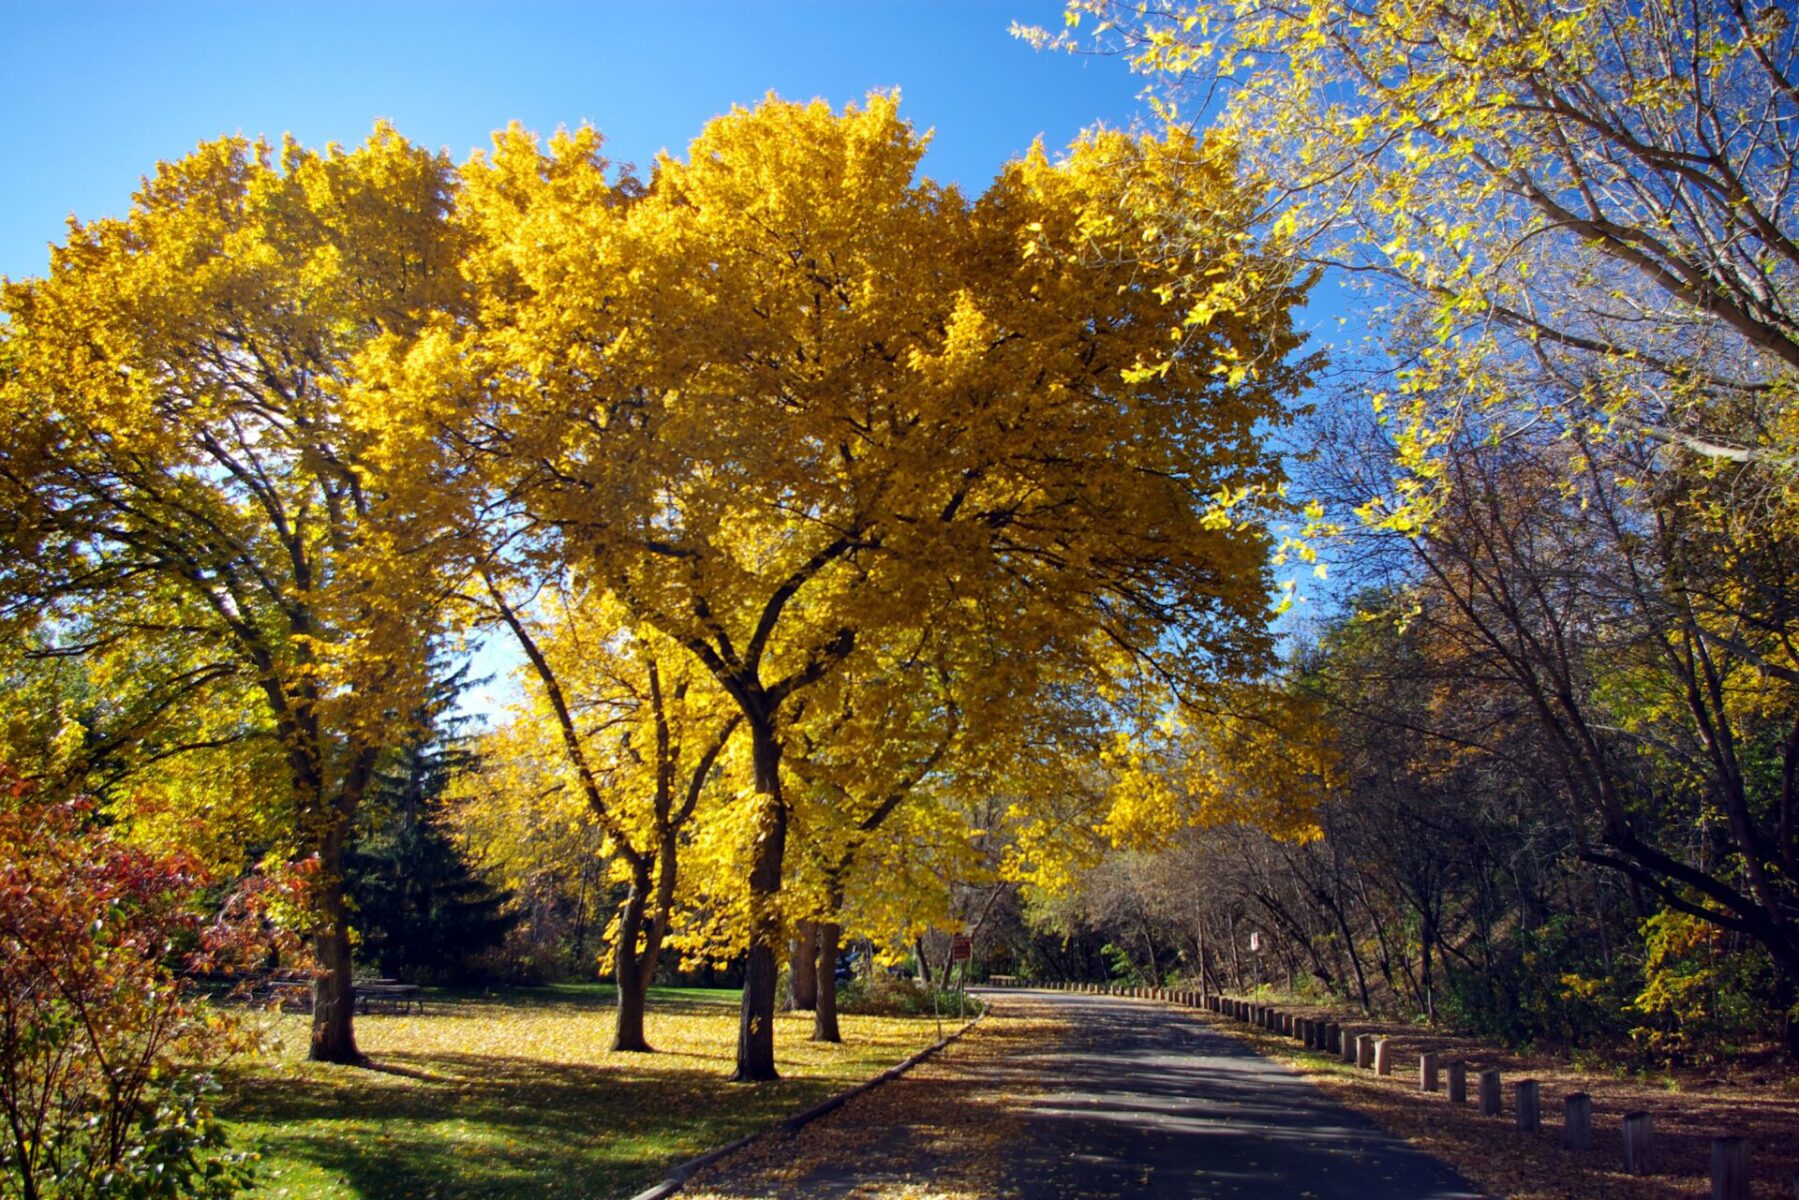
x=888 y=996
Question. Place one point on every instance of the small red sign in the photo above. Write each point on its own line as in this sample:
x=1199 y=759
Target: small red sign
x=960 y=948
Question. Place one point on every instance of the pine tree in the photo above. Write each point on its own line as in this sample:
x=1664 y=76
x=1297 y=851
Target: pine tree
x=421 y=912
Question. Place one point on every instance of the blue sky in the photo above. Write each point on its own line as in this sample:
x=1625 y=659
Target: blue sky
x=93 y=95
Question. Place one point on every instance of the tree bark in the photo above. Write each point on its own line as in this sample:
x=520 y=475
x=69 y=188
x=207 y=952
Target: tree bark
x=756 y=1022
x=824 y=1016
x=633 y=1001
x=633 y=971
x=333 y=992
x=802 y=968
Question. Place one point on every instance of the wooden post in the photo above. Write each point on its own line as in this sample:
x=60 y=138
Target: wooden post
x=1528 y=1111
x=1638 y=1127
x=1333 y=1037
x=1427 y=1072
x=1577 y=1122
x=1489 y=1092
x=1730 y=1168
x=1383 y=1056
x=1458 y=1082
x=1349 y=1051
x=1364 y=1050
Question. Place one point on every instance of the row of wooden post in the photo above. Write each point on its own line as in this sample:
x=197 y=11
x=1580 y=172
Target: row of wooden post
x=1730 y=1155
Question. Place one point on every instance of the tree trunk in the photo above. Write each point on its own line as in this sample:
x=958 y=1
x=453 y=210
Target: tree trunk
x=633 y=1000
x=633 y=971
x=756 y=1024
x=802 y=967
x=1236 y=961
x=924 y=960
x=333 y=992
x=1784 y=990
x=824 y=1017
x=1426 y=942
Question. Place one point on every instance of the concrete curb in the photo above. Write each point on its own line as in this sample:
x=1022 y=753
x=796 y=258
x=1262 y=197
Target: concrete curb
x=678 y=1176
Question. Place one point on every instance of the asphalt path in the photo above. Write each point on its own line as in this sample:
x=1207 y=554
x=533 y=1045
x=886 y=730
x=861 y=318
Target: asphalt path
x=1148 y=1101
x=1069 y=1095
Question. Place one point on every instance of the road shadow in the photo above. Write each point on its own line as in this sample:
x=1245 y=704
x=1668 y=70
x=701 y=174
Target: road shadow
x=1144 y=1101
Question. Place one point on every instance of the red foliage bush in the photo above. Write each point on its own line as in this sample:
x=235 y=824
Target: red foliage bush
x=103 y=1054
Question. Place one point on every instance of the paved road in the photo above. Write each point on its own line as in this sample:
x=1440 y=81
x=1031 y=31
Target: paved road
x=1148 y=1101
x=1113 y=1098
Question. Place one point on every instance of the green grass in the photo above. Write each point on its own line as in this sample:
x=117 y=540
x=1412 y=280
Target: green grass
x=513 y=1094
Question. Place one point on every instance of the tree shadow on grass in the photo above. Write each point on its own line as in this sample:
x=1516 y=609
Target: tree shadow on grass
x=460 y=1125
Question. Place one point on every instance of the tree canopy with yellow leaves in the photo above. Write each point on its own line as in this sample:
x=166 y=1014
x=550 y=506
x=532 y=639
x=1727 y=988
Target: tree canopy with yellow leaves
x=826 y=459
x=786 y=397
x=196 y=494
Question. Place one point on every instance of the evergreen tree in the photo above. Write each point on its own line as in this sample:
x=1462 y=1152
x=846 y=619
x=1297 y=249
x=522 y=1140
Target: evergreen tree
x=421 y=912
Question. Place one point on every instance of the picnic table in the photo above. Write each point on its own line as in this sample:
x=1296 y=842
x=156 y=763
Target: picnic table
x=294 y=992
x=390 y=994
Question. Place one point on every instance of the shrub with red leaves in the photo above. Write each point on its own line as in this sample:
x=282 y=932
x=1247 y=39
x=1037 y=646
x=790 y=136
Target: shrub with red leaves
x=103 y=1055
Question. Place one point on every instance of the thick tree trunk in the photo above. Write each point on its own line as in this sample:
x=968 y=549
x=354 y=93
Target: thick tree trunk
x=924 y=961
x=756 y=1023
x=802 y=968
x=824 y=1017
x=333 y=992
x=633 y=971
x=633 y=999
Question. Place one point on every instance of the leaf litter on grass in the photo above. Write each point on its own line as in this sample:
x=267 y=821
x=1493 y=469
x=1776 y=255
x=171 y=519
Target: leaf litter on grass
x=497 y=1098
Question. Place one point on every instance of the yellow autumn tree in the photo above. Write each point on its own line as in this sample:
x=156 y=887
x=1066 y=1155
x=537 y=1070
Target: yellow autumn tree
x=1593 y=199
x=199 y=498
x=638 y=729
x=787 y=397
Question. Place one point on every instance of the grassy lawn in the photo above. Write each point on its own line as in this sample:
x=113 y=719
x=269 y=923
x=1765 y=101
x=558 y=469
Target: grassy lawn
x=514 y=1094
